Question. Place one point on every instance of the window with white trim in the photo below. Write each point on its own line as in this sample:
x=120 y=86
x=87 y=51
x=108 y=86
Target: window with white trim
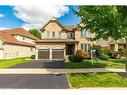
x=59 y=34
x=85 y=47
x=70 y=35
x=85 y=33
x=47 y=34
x=53 y=34
x=22 y=37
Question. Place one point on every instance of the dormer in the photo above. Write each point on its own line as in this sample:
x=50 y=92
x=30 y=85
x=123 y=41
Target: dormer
x=22 y=38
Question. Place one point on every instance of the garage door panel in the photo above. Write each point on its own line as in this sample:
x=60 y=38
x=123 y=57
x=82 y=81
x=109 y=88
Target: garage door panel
x=57 y=54
x=43 y=54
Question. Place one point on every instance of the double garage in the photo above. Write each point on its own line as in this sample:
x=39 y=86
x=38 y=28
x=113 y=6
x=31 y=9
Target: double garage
x=56 y=53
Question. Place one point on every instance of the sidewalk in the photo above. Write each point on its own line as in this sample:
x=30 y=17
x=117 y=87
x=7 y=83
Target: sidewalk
x=56 y=71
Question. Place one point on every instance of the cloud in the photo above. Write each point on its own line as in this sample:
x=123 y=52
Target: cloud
x=3 y=28
x=38 y=15
x=1 y=15
x=30 y=26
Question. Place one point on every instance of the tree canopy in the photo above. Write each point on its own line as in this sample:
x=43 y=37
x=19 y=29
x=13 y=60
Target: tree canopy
x=35 y=32
x=105 y=21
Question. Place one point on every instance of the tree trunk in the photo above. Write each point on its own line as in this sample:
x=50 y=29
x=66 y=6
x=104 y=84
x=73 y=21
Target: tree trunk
x=126 y=55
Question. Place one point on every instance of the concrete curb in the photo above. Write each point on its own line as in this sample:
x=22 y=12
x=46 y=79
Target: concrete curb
x=56 y=71
x=68 y=81
x=103 y=88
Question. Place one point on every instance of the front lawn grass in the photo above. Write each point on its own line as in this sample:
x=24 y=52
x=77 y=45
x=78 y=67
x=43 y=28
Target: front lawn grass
x=12 y=62
x=97 y=80
x=111 y=63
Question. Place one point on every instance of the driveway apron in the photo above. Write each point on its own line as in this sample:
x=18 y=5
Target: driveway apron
x=38 y=81
x=35 y=81
x=42 y=64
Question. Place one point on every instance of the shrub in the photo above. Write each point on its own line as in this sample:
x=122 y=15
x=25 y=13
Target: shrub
x=75 y=58
x=108 y=52
x=32 y=56
x=83 y=54
x=98 y=50
x=104 y=56
x=121 y=52
x=114 y=54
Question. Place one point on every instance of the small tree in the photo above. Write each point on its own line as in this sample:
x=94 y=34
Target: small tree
x=35 y=32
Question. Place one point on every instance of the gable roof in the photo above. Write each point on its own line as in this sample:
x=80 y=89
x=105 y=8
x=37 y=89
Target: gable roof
x=64 y=27
x=23 y=32
x=53 y=19
x=102 y=43
x=8 y=36
x=69 y=27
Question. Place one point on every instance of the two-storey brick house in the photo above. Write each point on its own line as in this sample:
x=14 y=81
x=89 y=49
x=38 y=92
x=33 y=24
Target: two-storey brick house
x=59 y=41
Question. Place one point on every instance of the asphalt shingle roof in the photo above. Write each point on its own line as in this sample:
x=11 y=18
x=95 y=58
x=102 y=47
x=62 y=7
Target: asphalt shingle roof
x=8 y=36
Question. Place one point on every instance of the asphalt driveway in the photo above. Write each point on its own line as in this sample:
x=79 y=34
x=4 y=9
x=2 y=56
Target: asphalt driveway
x=33 y=81
x=41 y=64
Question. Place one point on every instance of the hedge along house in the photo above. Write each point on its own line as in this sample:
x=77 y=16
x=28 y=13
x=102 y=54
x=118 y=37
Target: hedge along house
x=16 y=43
x=59 y=41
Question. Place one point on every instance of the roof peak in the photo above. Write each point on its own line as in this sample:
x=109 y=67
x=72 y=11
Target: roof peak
x=53 y=18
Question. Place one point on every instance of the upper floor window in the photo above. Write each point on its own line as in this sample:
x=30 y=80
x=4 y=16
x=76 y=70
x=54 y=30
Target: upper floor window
x=47 y=34
x=85 y=33
x=59 y=34
x=53 y=34
x=31 y=49
x=22 y=37
x=70 y=35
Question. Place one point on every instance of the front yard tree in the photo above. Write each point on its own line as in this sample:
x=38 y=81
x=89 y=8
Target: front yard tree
x=106 y=21
x=35 y=32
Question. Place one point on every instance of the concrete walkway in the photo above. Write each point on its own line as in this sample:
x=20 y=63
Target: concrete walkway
x=56 y=71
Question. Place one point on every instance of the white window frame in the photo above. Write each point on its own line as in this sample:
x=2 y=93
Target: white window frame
x=53 y=34
x=85 y=47
x=47 y=34
x=85 y=33
x=59 y=35
x=70 y=35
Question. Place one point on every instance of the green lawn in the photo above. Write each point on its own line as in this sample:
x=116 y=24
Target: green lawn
x=112 y=63
x=12 y=62
x=97 y=80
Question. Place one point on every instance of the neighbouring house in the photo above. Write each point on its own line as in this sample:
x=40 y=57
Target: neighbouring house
x=16 y=43
x=103 y=43
x=58 y=41
x=118 y=44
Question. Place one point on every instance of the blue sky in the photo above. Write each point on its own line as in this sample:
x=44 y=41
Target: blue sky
x=10 y=20
x=70 y=18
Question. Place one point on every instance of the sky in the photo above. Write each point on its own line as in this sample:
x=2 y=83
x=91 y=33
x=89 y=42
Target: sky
x=35 y=16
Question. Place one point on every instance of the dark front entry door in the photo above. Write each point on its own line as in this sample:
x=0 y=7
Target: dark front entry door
x=70 y=49
x=43 y=54
x=57 y=54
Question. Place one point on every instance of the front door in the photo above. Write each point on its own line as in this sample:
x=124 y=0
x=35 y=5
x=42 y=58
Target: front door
x=70 y=49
